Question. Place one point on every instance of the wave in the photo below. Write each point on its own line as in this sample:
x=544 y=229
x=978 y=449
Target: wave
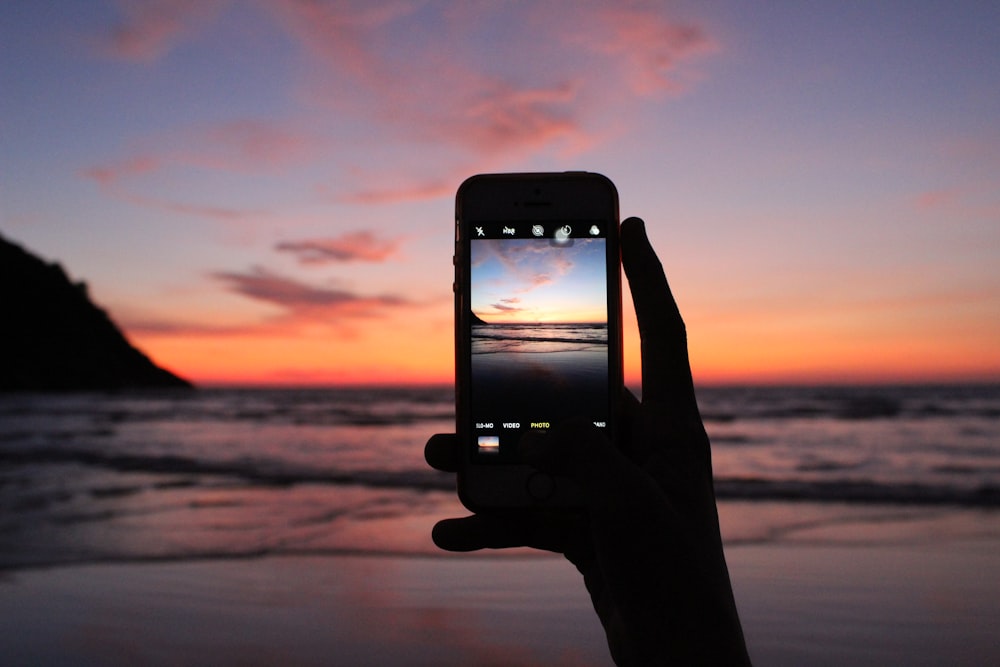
x=573 y=334
x=387 y=406
x=256 y=472
x=728 y=404
x=266 y=406
x=582 y=340
x=857 y=491
x=268 y=474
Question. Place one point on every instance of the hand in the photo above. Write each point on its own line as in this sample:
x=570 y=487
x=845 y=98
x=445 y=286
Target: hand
x=647 y=541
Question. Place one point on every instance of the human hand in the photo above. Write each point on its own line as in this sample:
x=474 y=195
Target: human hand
x=647 y=540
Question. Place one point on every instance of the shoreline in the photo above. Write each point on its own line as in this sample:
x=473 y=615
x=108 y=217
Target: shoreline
x=801 y=603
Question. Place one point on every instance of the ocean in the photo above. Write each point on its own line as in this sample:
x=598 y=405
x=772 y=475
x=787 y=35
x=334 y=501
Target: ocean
x=239 y=473
x=537 y=373
x=538 y=338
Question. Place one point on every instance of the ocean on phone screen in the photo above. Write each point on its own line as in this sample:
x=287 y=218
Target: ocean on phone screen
x=538 y=338
x=522 y=366
x=217 y=473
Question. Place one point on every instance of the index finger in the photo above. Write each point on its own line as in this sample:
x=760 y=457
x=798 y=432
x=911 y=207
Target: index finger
x=441 y=452
x=666 y=370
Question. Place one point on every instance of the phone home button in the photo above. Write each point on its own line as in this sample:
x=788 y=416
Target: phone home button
x=540 y=486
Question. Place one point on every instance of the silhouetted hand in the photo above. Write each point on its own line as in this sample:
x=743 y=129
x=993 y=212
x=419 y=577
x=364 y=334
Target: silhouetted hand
x=647 y=541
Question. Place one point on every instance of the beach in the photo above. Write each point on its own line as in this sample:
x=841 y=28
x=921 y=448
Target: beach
x=539 y=373
x=292 y=527
x=905 y=598
x=908 y=599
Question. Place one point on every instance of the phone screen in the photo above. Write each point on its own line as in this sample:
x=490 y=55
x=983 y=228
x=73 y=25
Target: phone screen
x=538 y=330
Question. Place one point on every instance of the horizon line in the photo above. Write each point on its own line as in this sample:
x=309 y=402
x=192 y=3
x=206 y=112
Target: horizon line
x=632 y=385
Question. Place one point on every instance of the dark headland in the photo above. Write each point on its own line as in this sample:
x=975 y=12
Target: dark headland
x=53 y=337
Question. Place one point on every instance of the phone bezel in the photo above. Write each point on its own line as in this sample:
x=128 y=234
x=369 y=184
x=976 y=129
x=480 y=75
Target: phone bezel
x=527 y=197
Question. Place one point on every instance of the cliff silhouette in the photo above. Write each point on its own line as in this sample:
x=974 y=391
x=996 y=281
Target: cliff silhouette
x=53 y=338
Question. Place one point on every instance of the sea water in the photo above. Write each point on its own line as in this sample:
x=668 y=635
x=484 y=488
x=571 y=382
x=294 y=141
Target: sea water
x=211 y=473
x=540 y=372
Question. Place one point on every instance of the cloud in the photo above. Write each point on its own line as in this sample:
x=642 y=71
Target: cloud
x=497 y=117
x=936 y=199
x=238 y=146
x=650 y=47
x=530 y=266
x=248 y=145
x=109 y=175
x=536 y=281
x=341 y=33
x=243 y=146
x=432 y=95
x=476 y=85
x=355 y=246
x=395 y=193
x=300 y=301
x=150 y=27
x=510 y=305
x=218 y=213
x=112 y=179
x=173 y=328
x=542 y=89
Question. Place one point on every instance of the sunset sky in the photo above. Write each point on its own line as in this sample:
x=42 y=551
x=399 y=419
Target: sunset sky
x=537 y=281
x=261 y=191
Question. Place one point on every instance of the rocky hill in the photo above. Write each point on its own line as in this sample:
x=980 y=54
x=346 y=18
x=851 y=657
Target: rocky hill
x=53 y=338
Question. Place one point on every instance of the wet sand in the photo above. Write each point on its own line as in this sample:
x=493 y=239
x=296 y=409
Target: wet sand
x=342 y=610
x=897 y=602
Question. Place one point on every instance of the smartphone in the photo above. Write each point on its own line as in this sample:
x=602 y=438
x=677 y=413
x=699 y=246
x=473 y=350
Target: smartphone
x=537 y=325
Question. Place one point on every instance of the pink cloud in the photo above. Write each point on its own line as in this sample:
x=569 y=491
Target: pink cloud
x=497 y=117
x=935 y=199
x=432 y=95
x=432 y=91
x=149 y=28
x=219 y=213
x=248 y=146
x=651 y=47
x=442 y=96
x=396 y=193
x=355 y=246
x=537 y=280
x=304 y=302
x=109 y=175
x=239 y=146
x=341 y=33
x=110 y=178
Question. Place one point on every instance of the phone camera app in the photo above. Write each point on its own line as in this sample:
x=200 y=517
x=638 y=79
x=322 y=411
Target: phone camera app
x=539 y=334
